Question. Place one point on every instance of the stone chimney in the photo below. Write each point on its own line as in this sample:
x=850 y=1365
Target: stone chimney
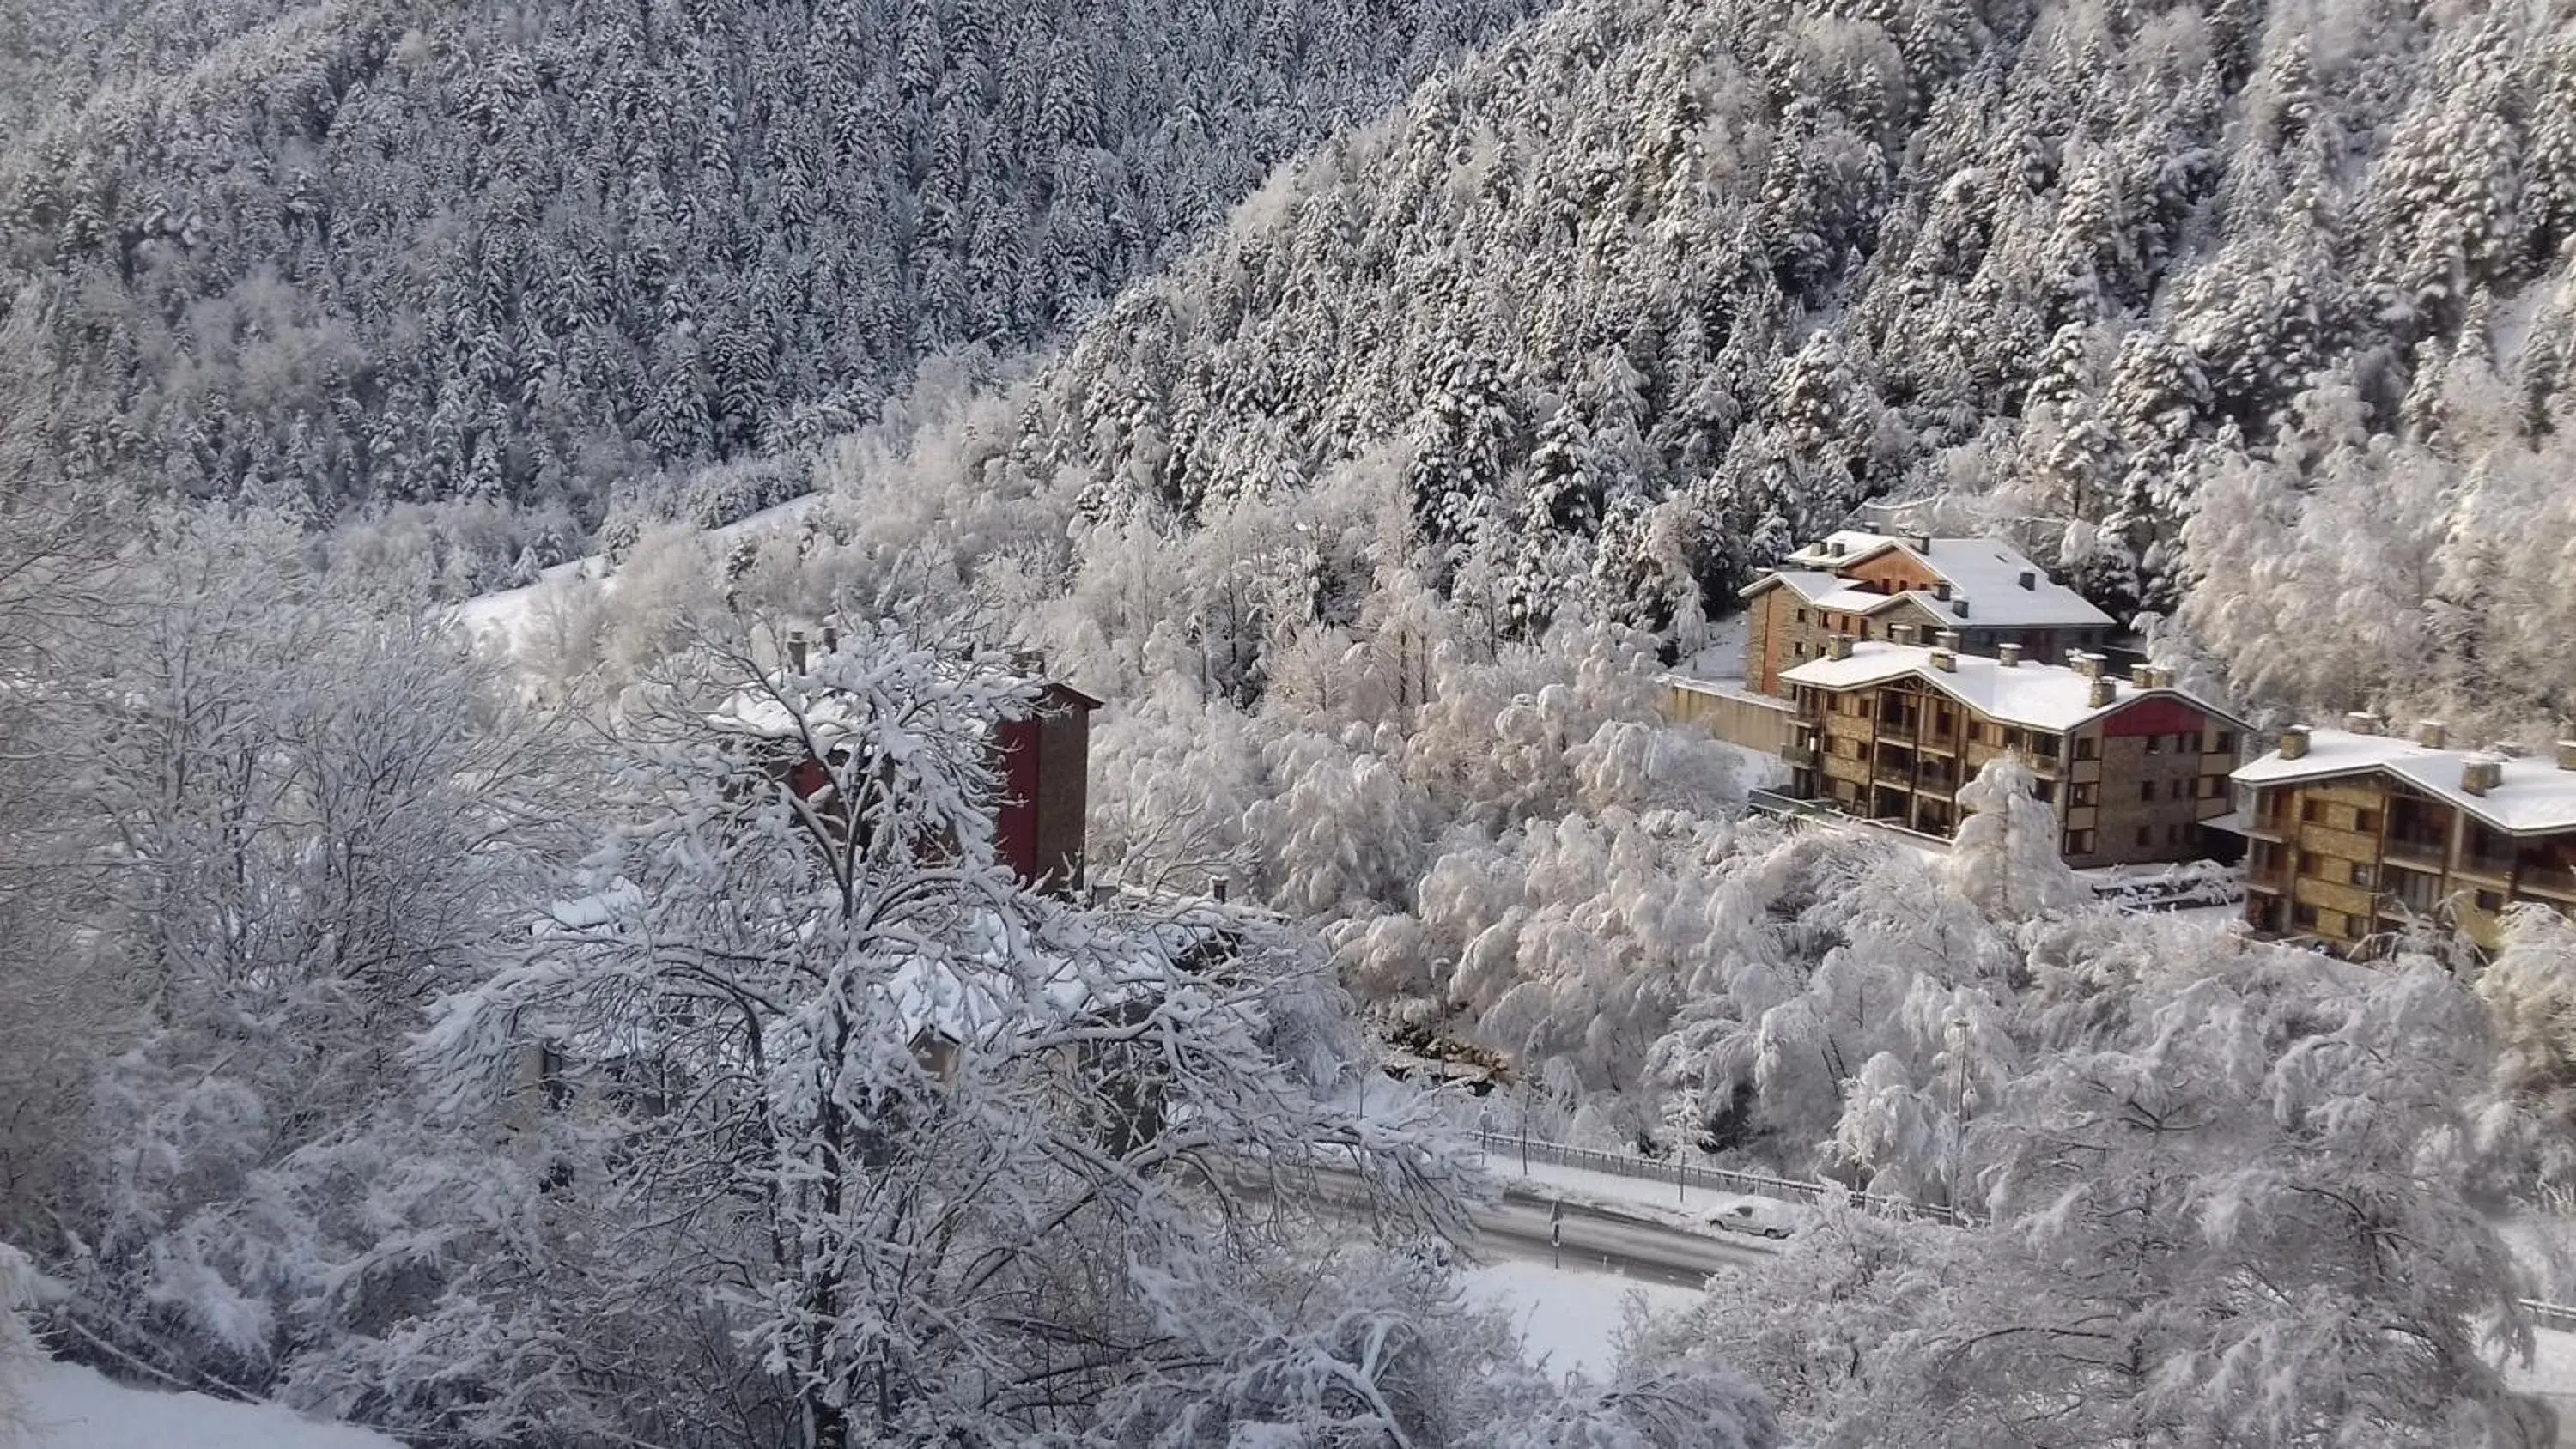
x=1838 y=647
x=2294 y=742
x=2008 y=656
x=2074 y=657
x=2088 y=665
x=1901 y=634
x=2103 y=692
x=1946 y=639
x=2028 y=579
x=1945 y=659
x=796 y=650
x=2142 y=676
x=2480 y=773
x=2361 y=722
x=2430 y=734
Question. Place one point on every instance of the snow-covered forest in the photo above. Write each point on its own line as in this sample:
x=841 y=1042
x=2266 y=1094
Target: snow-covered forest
x=459 y=1030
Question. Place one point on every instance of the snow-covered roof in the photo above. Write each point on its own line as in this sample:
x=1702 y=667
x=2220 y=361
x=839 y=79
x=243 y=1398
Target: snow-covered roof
x=1985 y=572
x=2040 y=696
x=2532 y=796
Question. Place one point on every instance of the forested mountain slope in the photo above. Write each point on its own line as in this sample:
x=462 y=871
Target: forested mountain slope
x=1648 y=290
x=381 y=250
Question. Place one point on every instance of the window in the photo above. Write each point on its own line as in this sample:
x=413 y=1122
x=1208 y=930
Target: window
x=2312 y=864
x=2361 y=876
x=2155 y=744
x=1802 y=616
x=2174 y=788
x=2088 y=748
x=2045 y=792
x=2147 y=790
x=2146 y=835
x=2366 y=821
x=2226 y=743
x=2303 y=916
x=2311 y=811
x=2082 y=793
x=2079 y=842
x=2490 y=901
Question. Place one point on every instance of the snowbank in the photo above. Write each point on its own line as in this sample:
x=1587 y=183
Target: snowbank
x=1568 y=1318
x=68 y=1407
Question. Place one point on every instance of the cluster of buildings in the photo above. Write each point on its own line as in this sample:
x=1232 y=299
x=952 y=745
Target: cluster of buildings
x=1886 y=670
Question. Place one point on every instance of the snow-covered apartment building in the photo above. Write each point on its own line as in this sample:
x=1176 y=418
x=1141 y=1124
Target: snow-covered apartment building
x=1867 y=585
x=1889 y=731
x=2357 y=832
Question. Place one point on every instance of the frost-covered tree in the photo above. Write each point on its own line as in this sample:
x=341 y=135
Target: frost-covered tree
x=967 y=1151
x=2005 y=856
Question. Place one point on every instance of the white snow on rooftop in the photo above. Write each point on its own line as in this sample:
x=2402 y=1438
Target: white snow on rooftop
x=2534 y=796
x=2041 y=696
x=1986 y=572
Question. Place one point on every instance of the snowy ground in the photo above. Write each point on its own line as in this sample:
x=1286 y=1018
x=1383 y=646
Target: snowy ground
x=73 y=1408
x=1568 y=1318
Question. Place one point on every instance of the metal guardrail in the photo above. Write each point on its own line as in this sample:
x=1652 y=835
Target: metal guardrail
x=2557 y=1316
x=1716 y=1179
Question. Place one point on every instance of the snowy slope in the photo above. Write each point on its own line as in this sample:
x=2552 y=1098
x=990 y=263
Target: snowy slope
x=69 y=1407
x=1568 y=1318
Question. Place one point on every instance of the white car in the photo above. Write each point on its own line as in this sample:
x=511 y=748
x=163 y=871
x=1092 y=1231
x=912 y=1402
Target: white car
x=1761 y=1219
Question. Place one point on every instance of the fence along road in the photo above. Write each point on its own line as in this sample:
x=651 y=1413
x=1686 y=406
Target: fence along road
x=2557 y=1316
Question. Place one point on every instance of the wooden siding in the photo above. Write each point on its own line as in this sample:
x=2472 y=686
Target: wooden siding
x=1739 y=719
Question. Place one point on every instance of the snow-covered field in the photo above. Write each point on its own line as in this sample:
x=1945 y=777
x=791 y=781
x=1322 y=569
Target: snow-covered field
x=1568 y=1318
x=69 y=1407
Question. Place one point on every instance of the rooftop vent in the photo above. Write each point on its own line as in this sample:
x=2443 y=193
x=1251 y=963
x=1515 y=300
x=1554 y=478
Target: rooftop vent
x=2008 y=656
x=1946 y=660
x=2294 y=742
x=2480 y=773
x=1959 y=606
x=2103 y=692
x=2028 y=579
x=2361 y=722
x=2430 y=734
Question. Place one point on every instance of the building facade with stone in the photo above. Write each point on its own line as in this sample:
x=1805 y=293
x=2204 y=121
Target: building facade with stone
x=1889 y=732
x=2357 y=835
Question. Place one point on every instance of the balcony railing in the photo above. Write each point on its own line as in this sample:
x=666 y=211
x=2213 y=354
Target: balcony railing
x=2424 y=850
x=2548 y=880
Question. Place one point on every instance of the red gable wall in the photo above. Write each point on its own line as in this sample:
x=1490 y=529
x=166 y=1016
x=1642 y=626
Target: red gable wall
x=2162 y=716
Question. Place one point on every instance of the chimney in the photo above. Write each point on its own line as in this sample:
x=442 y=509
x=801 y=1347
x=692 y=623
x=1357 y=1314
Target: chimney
x=2159 y=677
x=2430 y=734
x=2567 y=754
x=2103 y=692
x=2294 y=742
x=2142 y=676
x=1922 y=542
x=1959 y=606
x=1901 y=634
x=1941 y=590
x=2008 y=656
x=2028 y=579
x=2480 y=773
x=796 y=650
x=1838 y=647
x=831 y=637
x=1946 y=639
x=1946 y=660
x=2361 y=722
x=2088 y=665
x=1218 y=886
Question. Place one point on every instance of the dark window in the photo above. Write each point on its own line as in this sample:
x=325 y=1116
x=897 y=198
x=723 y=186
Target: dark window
x=2361 y=876
x=2310 y=810
x=2366 y=821
x=2045 y=791
x=2303 y=916
x=2490 y=901
x=1802 y=616
x=2155 y=744
x=2081 y=793
x=2146 y=789
x=2226 y=742
x=2312 y=864
x=2079 y=842
x=2088 y=748
x=2146 y=835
